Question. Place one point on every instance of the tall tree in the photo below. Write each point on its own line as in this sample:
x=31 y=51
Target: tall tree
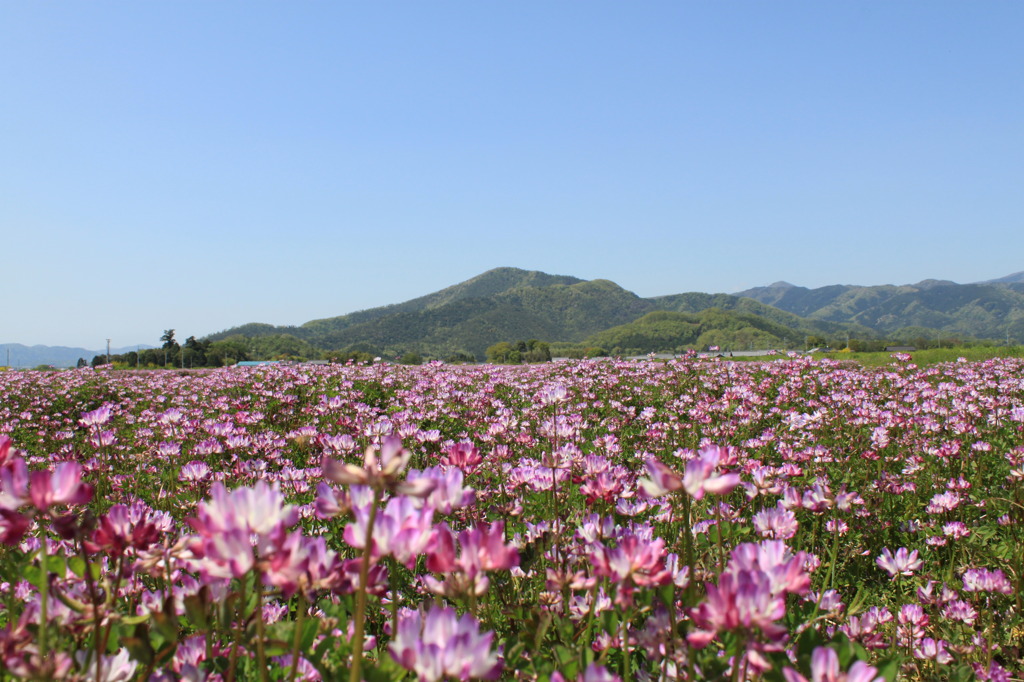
x=168 y=339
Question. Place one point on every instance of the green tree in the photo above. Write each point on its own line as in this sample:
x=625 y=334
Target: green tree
x=500 y=352
x=168 y=340
x=196 y=351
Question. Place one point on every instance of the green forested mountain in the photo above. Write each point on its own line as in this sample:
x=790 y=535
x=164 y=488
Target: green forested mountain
x=675 y=331
x=696 y=302
x=992 y=309
x=568 y=312
x=508 y=304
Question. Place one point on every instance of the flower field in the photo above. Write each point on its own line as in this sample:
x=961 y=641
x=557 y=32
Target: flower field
x=596 y=520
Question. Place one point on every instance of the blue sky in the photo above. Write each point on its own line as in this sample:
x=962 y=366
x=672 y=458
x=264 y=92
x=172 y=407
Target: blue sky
x=198 y=165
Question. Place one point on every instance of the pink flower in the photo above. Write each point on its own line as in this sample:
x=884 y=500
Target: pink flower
x=778 y=523
x=633 y=562
x=6 y=449
x=14 y=484
x=329 y=502
x=117 y=668
x=440 y=644
x=448 y=493
x=61 y=486
x=661 y=479
x=984 y=580
x=700 y=475
x=96 y=418
x=378 y=472
x=825 y=668
x=258 y=510
x=483 y=549
x=194 y=472
x=904 y=563
x=301 y=563
x=13 y=527
x=784 y=570
x=464 y=455
x=118 y=532
x=743 y=600
x=933 y=649
x=402 y=529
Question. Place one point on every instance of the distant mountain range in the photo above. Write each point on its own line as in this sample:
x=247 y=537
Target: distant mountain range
x=55 y=356
x=508 y=304
x=992 y=309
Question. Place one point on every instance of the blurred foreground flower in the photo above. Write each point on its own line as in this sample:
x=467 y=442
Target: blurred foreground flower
x=440 y=644
x=825 y=668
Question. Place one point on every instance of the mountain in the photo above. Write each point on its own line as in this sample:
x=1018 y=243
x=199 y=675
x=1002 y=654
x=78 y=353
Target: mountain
x=56 y=356
x=993 y=309
x=664 y=330
x=327 y=332
x=1015 y=278
x=697 y=302
x=508 y=304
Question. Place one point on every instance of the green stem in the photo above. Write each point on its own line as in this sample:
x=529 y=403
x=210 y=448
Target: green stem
x=240 y=625
x=720 y=532
x=360 y=616
x=741 y=649
x=261 y=654
x=300 y=614
x=94 y=599
x=625 y=645
x=585 y=646
x=44 y=592
x=688 y=552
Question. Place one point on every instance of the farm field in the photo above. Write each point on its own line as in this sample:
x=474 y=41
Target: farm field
x=798 y=519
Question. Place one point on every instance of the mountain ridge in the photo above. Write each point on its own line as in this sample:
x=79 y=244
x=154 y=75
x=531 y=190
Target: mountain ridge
x=510 y=303
x=507 y=304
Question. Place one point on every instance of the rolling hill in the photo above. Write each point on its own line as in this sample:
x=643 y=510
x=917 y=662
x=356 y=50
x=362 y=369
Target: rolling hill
x=509 y=304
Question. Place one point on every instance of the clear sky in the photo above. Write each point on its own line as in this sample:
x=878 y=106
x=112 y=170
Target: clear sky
x=198 y=165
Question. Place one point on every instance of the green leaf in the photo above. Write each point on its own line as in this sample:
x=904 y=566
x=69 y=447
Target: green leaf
x=309 y=629
x=34 y=575
x=567 y=661
x=889 y=668
x=196 y=612
x=76 y=565
x=962 y=673
x=542 y=629
x=277 y=647
x=138 y=645
x=55 y=564
x=809 y=640
x=167 y=624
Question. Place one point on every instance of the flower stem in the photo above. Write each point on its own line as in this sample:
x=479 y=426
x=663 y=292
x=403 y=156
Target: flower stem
x=44 y=598
x=364 y=573
x=240 y=625
x=261 y=654
x=300 y=614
